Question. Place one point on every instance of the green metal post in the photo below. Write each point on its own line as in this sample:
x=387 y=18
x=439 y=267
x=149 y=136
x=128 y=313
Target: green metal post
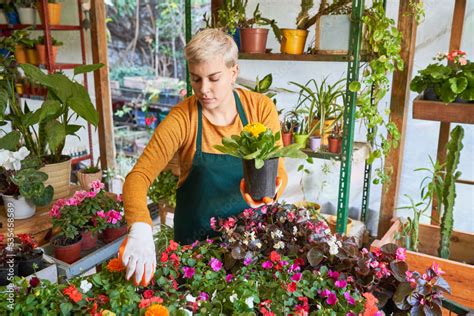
x=188 y=26
x=349 y=116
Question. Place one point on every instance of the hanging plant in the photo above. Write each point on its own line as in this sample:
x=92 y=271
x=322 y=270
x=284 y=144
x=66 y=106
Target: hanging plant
x=383 y=44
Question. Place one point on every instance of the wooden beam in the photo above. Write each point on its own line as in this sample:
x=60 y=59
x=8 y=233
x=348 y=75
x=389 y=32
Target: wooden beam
x=398 y=114
x=454 y=43
x=215 y=5
x=101 y=84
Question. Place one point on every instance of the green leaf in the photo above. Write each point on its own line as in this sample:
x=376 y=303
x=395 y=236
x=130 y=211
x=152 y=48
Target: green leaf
x=72 y=129
x=66 y=309
x=34 y=73
x=354 y=86
x=315 y=256
x=81 y=104
x=10 y=141
x=265 y=83
x=55 y=134
x=458 y=84
x=259 y=163
x=50 y=108
x=87 y=68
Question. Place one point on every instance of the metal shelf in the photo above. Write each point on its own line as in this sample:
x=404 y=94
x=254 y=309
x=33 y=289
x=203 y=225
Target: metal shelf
x=76 y=160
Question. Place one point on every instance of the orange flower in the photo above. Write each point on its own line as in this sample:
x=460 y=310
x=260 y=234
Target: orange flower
x=115 y=265
x=157 y=310
x=73 y=293
x=370 y=306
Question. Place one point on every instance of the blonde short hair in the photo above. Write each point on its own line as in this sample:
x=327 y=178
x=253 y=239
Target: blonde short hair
x=207 y=44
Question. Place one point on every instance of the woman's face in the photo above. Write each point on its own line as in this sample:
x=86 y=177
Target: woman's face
x=213 y=81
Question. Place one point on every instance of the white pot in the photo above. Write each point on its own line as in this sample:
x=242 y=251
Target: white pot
x=3 y=17
x=334 y=33
x=27 y=15
x=22 y=208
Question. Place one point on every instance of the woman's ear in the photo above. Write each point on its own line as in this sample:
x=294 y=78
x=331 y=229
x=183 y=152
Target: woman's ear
x=234 y=73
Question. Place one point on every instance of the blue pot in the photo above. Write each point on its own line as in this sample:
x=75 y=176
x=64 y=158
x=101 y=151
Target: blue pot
x=168 y=97
x=236 y=37
x=4 y=52
x=12 y=17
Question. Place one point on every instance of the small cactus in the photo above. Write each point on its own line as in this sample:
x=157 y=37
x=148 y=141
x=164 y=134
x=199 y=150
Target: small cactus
x=449 y=191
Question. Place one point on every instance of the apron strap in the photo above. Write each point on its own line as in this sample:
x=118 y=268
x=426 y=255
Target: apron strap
x=242 y=116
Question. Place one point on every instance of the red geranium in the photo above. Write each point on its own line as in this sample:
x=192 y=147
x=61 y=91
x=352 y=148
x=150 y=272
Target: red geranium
x=73 y=293
x=291 y=287
x=274 y=256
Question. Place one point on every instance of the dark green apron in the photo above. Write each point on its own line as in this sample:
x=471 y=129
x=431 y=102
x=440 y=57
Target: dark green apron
x=210 y=190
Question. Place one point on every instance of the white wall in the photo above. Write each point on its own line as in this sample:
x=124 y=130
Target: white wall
x=421 y=137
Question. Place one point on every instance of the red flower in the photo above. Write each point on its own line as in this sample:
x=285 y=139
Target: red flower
x=102 y=299
x=299 y=262
x=175 y=259
x=266 y=312
x=274 y=256
x=173 y=245
x=148 y=294
x=164 y=257
x=150 y=120
x=73 y=293
x=291 y=287
x=144 y=303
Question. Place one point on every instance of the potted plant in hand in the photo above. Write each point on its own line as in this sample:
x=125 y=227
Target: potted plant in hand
x=88 y=175
x=21 y=183
x=41 y=48
x=44 y=132
x=26 y=11
x=453 y=82
x=53 y=10
x=257 y=147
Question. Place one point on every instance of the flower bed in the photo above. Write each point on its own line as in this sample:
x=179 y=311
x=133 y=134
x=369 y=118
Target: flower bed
x=270 y=261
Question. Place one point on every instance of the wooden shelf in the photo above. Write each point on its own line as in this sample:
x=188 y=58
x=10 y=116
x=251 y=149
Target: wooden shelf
x=443 y=112
x=302 y=57
x=359 y=148
x=40 y=27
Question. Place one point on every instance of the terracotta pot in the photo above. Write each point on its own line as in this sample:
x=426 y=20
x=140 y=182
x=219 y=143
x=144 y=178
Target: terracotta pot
x=328 y=126
x=22 y=208
x=20 y=54
x=253 y=40
x=89 y=240
x=32 y=56
x=68 y=253
x=42 y=53
x=54 y=12
x=111 y=234
x=286 y=138
x=301 y=139
x=332 y=219
x=59 y=175
x=293 y=41
x=260 y=183
x=85 y=179
x=26 y=266
x=333 y=145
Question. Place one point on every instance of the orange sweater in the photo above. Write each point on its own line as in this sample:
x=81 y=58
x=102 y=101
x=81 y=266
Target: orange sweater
x=177 y=133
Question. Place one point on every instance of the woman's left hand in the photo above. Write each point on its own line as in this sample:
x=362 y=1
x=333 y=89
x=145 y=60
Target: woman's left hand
x=265 y=200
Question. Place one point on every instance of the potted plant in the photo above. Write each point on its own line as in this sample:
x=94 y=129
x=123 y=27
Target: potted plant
x=228 y=18
x=287 y=126
x=253 y=39
x=335 y=140
x=41 y=48
x=54 y=11
x=21 y=183
x=26 y=11
x=88 y=175
x=426 y=243
x=11 y=14
x=21 y=43
x=45 y=134
x=257 y=147
x=163 y=193
x=27 y=254
x=334 y=29
x=116 y=225
x=449 y=83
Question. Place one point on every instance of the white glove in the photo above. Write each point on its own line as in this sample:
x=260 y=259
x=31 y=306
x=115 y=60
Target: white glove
x=139 y=255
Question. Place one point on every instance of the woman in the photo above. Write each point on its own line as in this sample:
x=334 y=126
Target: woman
x=209 y=181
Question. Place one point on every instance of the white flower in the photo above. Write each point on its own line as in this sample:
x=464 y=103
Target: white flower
x=85 y=286
x=190 y=298
x=333 y=249
x=282 y=219
x=279 y=245
x=21 y=154
x=233 y=298
x=249 y=302
x=259 y=245
x=295 y=230
x=4 y=157
x=276 y=234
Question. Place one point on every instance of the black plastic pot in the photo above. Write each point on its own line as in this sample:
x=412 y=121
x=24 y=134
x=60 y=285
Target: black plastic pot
x=26 y=265
x=4 y=273
x=260 y=182
x=429 y=94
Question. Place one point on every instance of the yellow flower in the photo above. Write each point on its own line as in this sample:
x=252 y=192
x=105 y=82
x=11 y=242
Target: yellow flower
x=157 y=310
x=106 y=312
x=255 y=128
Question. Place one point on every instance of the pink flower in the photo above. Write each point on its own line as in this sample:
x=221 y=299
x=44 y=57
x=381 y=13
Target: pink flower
x=296 y=277
x=264 y=209
x=410 y=278
x=341 y=284
x=331 y=299
x=215 y=264
x=401 y=254
x=325 y=293
x=91 y=194
x=349 y=298
x=462 y=61
x=101 y=214
x=374 y=264
x=54 y=212
x=118 y=198
x=228 y=278
x=247 y=213
x=203 y=296
x=213 y=223
x=188 y=272
x=294 y=268
x=230 y=223
x=247 y=261
x=97 y=185
x=113 y=217
x=364 y=251
x=80 y=195
x=72 y=202
x=333 y=275
x=436 y=269
x=150 y=120
x=267 y=265
x=291 y=216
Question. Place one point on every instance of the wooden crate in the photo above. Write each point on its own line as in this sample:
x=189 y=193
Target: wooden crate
x=459 y=270
x=443 y=112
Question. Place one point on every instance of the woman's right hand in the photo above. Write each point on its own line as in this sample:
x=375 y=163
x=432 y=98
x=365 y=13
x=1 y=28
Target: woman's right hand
x=139 y=255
